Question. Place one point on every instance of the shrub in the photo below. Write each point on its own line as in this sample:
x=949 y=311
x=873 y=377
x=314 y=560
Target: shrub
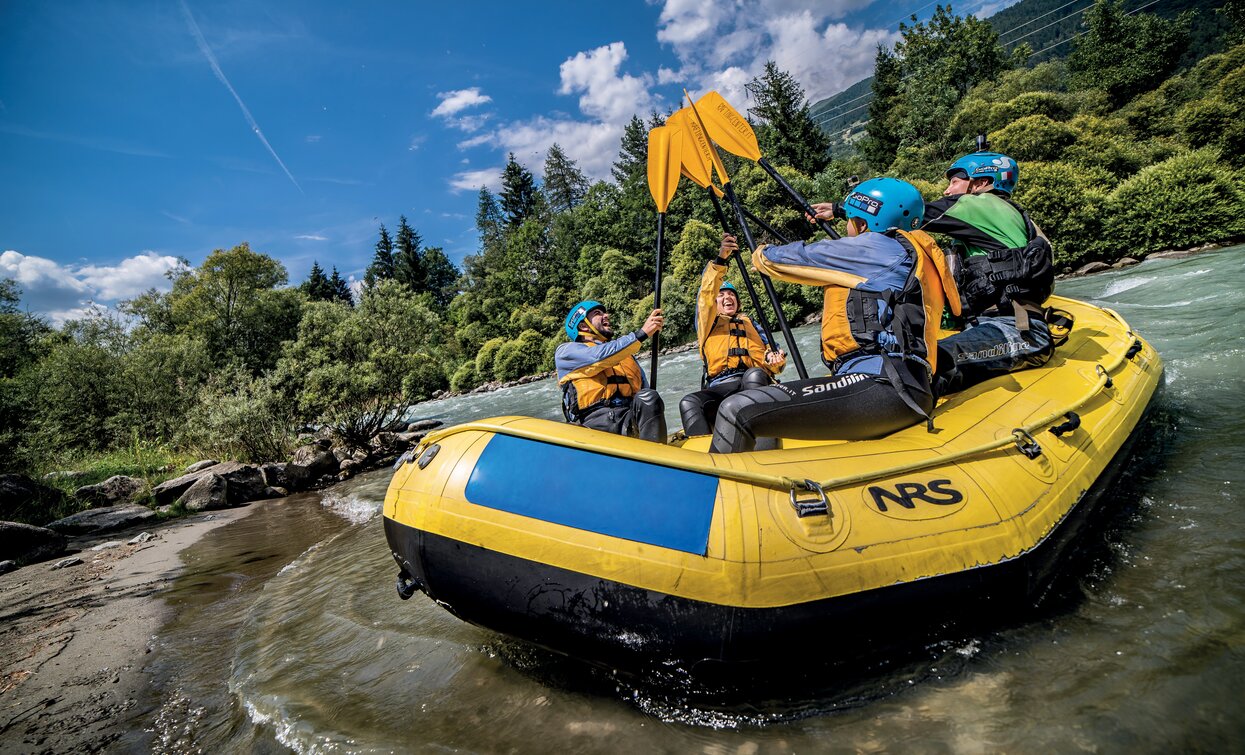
x=1034 y=137
x=1214 y=122
x=519 y=357
x=1187 y=200
x=486 y=357
x=240 y=417
x=1066 y=201
x=464 y=378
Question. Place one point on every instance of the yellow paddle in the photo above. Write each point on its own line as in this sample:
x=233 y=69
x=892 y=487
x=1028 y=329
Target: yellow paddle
x=732 y=132
x=663 y=179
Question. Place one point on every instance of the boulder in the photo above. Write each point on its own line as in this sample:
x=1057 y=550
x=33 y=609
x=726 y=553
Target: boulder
x=103 y=520
x=1125 y=262
x=67 y=562
x=348 y=469
x=24 y=498
x=210 y=491
x=297 y=477
x=246 y=483
x=276 y=492
x=315 y=461
x=7 y=566
x=115 y=490
x=199 y=466
x=1091 y=268
x=275 y=475
x=424 y=424
x=25 y=543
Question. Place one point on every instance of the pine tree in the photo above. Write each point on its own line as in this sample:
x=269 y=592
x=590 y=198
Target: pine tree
x=440 y=276
x=339 y=288
x=317 y=286
x=632 y=163
x=788 y=134
x=382 y=263
x=1126 y=55
x=519 y=198
x=881 y=144
x=408 y=269
x=565 y=183
x=488 y=220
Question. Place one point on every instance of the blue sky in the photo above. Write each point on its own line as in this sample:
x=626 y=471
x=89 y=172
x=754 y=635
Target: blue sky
x=135 y=133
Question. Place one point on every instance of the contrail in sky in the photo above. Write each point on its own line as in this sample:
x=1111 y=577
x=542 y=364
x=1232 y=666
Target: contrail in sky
x=207 y=53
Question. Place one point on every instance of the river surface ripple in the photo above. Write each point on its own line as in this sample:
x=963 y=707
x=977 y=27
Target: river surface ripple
x=287 y=632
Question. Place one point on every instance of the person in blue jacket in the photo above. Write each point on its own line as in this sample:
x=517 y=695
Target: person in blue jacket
x=603 y=385
x=885 y=285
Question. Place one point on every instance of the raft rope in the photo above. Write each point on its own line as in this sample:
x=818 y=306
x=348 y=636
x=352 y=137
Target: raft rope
x=1020 y=437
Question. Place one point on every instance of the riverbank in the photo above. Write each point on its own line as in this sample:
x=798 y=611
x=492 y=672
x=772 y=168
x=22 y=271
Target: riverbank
x=74 y=638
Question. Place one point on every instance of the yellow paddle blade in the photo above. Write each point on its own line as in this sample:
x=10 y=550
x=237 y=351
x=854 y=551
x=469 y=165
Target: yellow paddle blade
x=714 y=158
x=663 y=172
x=730 y=130
x=694 y=157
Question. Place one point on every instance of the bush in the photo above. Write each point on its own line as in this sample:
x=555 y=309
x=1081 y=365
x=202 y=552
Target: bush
x=1098 y=145
x=1214 y=122
x=1034 y=137
x=240 y=417
x=519 y=357
x=1067 y=202
x=486 y=357
x=464 y=378
x=1187 y=200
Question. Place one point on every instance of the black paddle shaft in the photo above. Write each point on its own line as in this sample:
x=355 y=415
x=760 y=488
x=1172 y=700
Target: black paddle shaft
x=769 y=284
x=804 y=205
x=661 y=228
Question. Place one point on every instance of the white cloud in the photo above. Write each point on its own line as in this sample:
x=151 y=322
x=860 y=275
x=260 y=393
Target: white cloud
x=723 y=46
x=607 y=98
x=311 y=237
x=473 y=180
x=458 y=100
x=63 y=292
x=313 y=138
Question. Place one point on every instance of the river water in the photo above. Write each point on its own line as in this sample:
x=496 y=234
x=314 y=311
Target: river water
x=287 y=632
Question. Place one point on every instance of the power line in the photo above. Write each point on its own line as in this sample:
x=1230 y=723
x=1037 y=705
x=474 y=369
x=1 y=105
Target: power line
x=1039 y=52
x=1038 y=18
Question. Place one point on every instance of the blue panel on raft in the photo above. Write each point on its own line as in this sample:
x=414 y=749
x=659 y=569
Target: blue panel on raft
x=645 y=503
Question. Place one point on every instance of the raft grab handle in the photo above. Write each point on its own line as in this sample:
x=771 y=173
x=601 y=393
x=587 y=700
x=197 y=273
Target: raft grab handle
x=777 y=482
x=819 y=506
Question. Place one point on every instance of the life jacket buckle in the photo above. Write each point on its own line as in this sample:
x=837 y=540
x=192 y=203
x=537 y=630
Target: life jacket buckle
x=819 y=506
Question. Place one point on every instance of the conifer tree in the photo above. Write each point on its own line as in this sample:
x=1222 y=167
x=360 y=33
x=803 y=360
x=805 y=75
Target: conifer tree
x=632 y=163
x=519 y=198
x=488 y=220
x=339 y=288
x=885 y=110
x=440 y=276
x=565 y=183
x=382 y=263
x=317 y=285
x=408 y=269
x=787 y=134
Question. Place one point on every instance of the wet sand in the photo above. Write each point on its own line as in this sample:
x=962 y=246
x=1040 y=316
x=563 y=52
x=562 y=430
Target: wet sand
x=73 y=641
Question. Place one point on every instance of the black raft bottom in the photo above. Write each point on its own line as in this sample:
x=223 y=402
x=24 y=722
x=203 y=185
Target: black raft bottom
x=620 y=626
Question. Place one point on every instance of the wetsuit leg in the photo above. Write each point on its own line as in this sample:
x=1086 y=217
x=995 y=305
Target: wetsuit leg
x=756 y=377
x=648 y=416
x=698 y=410
x=992 y=347
x=840 y=407
x=610 y=419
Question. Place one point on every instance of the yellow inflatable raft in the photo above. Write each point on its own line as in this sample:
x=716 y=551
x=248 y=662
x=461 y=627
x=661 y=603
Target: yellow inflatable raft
x=615 y=549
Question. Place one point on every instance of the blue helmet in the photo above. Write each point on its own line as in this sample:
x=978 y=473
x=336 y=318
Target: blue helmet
x=1000 y=169
x=885 y=203
x=728 y=286
x=577 y=315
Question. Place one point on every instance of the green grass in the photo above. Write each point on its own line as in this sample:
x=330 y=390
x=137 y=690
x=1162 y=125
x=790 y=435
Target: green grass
x=152 y=462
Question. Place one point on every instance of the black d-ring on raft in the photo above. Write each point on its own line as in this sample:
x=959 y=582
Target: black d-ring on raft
x=407 y=585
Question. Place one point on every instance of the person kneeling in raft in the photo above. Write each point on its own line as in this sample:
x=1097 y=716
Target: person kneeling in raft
x=736 y=355
x=603 y=386
x=885 y=286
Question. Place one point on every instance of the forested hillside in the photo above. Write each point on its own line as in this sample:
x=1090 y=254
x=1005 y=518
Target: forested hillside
x=1047 y=28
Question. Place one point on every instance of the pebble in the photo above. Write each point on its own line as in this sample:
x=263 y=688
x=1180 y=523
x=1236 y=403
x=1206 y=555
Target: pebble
x=65 y=562
x=107 y=545
x=141 y=537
